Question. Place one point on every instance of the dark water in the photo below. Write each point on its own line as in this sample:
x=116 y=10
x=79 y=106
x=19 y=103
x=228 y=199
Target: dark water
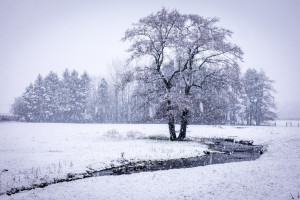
x=228 y=151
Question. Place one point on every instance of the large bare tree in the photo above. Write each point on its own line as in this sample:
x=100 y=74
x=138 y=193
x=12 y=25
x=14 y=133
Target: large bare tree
x=184 y=51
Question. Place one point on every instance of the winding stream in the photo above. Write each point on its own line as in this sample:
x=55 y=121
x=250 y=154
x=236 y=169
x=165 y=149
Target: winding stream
x=222 y=151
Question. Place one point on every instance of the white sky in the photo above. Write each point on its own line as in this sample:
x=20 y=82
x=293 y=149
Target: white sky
x=37 y=36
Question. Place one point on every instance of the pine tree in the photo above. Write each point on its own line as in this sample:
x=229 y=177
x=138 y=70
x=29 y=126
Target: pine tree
x=52 y=97
x=38 y=99
x=102 y=109
x=83 y=98
x=74 y=101
x=65 y=98
x=28 y=114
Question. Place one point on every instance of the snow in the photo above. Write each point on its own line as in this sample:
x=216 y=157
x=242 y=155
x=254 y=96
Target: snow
x=276 y=175
x=36 y=152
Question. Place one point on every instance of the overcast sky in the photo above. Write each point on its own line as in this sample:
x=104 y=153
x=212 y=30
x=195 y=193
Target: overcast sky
x=37 y=36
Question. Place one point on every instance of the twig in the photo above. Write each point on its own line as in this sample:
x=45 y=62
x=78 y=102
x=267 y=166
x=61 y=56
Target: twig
x=292 y=196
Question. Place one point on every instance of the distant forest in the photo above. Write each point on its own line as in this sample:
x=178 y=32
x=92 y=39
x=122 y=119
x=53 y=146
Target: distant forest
x=75 y=98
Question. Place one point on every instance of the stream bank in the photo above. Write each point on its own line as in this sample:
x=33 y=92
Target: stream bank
x=220 y=151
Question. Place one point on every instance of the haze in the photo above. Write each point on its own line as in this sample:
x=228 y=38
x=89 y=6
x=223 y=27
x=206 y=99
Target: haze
x=40 y=36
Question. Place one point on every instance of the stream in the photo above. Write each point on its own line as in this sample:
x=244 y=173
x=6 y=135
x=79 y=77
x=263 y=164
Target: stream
x=221 y=151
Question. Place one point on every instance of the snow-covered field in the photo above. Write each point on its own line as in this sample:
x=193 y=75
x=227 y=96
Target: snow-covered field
x=37 y=152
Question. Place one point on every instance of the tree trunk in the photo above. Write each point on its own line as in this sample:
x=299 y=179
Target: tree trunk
x=184 y=117
x=250 y=115
x=171 y=124
x=183 y=124
x=171 y=121
x=116 y=106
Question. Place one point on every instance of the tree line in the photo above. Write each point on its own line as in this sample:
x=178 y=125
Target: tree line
x=182 y=69
x=78 y=99
x=52 y=99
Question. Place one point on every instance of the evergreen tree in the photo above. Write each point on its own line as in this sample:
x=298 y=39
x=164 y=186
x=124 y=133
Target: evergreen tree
x=102 y=109
x=29 y=106
x=65 y=98
x=38 y=99
x=83 y=98
x=52 y=98
x=55 y=100
x=74 y=101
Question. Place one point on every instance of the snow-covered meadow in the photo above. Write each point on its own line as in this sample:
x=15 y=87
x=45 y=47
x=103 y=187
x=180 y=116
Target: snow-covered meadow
x=37 y=152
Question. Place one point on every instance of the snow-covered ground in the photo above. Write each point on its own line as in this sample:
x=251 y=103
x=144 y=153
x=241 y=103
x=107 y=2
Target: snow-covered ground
x=43 y=151
x=35 y=152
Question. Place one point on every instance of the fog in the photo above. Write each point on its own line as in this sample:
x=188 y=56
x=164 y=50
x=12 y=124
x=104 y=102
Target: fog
x=40 y=36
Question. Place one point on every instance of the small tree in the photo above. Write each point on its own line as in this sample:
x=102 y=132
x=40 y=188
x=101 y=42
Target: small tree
x=102 y=104
x=19 y=109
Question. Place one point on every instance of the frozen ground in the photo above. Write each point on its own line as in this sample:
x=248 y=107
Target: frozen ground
x=35 y=153
x=56 y=149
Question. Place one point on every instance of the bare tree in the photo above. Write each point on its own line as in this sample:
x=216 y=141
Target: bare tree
x=184 y=52
x=153 y=37
x=258 y=97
